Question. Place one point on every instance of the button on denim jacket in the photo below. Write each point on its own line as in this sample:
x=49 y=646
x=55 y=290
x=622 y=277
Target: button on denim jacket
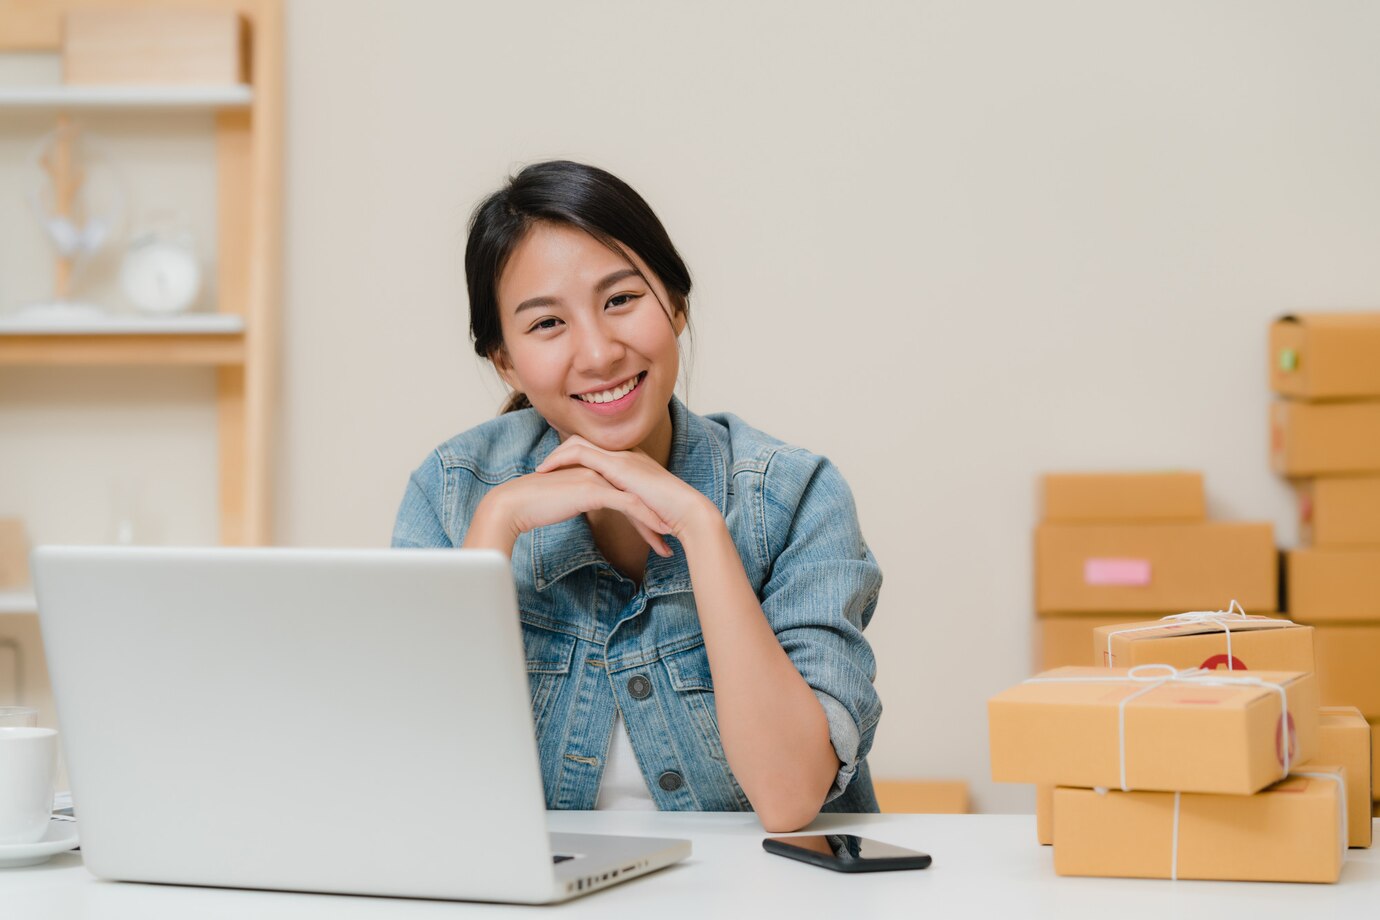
x=598 y=643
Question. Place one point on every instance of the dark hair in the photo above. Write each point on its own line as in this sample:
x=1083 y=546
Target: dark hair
x=562 y=192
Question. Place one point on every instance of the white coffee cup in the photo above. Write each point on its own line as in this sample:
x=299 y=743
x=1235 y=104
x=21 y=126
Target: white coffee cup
x=28 y=760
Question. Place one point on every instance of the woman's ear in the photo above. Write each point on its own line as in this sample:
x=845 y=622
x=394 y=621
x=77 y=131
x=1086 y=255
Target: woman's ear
x=681 y=318
x=504 y=365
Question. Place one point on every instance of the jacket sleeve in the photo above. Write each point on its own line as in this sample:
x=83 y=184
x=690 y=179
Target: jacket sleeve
x=419 y=522
x=820 y=592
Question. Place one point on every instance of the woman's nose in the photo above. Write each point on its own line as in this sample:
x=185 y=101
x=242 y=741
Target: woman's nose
x=599 y=349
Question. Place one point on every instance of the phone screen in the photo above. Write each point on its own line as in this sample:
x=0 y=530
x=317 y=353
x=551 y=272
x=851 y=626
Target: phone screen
x=846 y=852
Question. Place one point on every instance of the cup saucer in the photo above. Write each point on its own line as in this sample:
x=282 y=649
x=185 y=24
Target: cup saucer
x=60 y=836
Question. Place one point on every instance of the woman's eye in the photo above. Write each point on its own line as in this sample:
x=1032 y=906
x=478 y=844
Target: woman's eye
x=619 y=300
x=543 y=323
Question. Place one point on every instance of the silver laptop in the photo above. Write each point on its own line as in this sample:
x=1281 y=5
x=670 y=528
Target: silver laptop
x=348 y=721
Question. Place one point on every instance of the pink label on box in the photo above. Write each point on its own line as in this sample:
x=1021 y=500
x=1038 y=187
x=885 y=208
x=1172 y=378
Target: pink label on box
x=1116 y=571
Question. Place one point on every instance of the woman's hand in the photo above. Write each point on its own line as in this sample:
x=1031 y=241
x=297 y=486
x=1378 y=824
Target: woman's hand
x=674 y=502
x=542 y=498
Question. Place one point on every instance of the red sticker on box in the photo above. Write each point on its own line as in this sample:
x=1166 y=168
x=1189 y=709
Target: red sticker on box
x=1116 y=571
x=1219 y=661
x=1279 y=739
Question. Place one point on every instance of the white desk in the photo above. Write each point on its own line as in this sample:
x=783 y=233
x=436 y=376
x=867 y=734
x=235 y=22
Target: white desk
x=984 y=866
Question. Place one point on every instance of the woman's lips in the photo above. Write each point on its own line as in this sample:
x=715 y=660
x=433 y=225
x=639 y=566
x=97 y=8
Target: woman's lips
x=617 y=405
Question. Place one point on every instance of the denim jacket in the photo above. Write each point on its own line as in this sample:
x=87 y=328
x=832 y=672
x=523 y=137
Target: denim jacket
x=598 y=643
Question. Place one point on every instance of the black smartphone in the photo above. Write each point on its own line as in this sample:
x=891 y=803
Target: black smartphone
x=846 y=852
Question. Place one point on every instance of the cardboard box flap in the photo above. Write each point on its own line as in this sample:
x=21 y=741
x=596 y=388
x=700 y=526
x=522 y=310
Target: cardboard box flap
x=1168 y=627
x=1071 y=685
x=1334 y=320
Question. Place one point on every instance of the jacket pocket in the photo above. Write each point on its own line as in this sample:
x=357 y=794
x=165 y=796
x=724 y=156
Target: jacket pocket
x=688 y=672
x=549 y=655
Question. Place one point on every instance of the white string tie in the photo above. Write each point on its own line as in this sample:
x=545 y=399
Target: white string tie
x=1174 y=847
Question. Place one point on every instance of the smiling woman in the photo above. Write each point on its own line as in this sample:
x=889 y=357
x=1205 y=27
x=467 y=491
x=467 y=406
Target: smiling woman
x=724 y=669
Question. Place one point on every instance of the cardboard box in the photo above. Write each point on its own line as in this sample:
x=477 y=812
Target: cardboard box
x=1154 y=568
x=1332 y=585
x=1044 y=814
x=1103 y=498
x=1326 y=355
x=1344 y=738
x=159 y=46
x=1324 y=439
x=1349 y=666
x=1255 y=644
x=1217 y=734
x=1375 y=760
x=931 y=796
x=1063 y=641
x=14 y=555
x=1290 y=832
x=1339 y=511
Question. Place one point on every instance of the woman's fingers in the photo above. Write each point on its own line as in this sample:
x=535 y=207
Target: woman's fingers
x=578 y=452
x=643 y=518
x=657 y=544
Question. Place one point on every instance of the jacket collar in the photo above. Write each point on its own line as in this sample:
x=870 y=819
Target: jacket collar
x=696 y=458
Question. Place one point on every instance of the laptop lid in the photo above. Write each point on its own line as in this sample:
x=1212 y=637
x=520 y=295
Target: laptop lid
x=351 y=721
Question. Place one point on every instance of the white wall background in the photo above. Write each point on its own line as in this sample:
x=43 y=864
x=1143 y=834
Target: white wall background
x=950 y=245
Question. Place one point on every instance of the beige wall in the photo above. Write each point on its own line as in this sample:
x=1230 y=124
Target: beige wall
x=950 y=245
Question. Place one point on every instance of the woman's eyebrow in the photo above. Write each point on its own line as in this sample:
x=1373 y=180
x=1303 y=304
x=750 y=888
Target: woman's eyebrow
x=605 y=283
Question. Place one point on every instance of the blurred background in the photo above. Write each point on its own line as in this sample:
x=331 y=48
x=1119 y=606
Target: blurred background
x=950 y=245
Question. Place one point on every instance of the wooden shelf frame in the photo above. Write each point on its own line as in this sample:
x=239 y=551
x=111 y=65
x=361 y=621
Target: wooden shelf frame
x=161 y=98
x=249 y=177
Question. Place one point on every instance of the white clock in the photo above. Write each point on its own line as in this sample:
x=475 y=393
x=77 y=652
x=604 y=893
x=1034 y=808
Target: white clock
x=161 y=273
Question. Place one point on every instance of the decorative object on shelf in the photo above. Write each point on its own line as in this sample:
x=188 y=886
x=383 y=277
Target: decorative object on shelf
x=159 y=46
x=14 y=554
x=80 y=201
x=160 y=272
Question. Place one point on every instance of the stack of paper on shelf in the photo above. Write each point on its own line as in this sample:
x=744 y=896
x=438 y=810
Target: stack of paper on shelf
x=1325 y=436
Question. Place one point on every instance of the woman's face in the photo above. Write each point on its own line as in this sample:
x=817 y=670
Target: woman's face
x=579 y=322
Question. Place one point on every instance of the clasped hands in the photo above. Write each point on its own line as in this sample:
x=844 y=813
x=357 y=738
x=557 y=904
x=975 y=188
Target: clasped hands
x=579 y=476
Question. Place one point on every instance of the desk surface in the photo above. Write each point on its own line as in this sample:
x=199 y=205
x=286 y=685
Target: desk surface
x=984 y=866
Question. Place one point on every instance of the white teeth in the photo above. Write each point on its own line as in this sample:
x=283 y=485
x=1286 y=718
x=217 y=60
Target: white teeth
x=611 y=395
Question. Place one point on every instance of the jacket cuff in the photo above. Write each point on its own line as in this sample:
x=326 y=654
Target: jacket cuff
x=844 y=736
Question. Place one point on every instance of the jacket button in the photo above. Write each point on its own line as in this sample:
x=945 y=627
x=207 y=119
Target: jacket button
x=639 y=686
x=670 y=781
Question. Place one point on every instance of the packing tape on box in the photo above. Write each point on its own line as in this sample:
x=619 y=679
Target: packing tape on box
x=1222 y=618
x=1194 y=676
x=1342 y=804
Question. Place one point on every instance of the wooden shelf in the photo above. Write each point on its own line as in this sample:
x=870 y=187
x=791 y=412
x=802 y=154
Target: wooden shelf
x=17 y=601
x=200 y=350
x=240 y=350
x=115 y=324
x=165 y=98
x=205 y=339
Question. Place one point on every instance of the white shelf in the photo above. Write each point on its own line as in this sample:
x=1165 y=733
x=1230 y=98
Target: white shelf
x=62 y=96
x=184 y=324
x=18 y=602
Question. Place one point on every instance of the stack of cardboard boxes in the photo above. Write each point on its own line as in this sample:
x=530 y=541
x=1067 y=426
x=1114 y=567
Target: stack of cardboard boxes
x=1325 y=437
x=1116 y=546
x=1158 y=769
